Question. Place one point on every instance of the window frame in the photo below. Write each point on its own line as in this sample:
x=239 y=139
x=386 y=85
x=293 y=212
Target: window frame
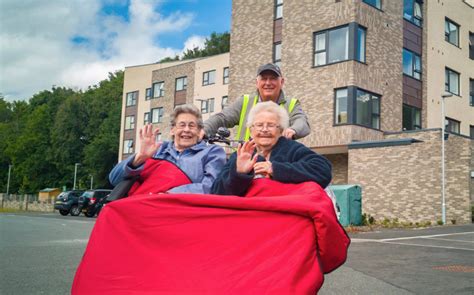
x=447 y=22
x=161 y=113
x=414 y=112
x=129 y=122
x=204 y=106
x=225 y=76
x=447 y=81
x=413 y=56
x=146 y=118
x=471 y=131
x=471 y=45
x=471 y=92
x=354 y=46
x=449 y=122
x=185 y=83
x=133 y=99
x=276 y=60
x=417 y=21
x=374 y=6
x=148 y=94
x=128 y=146
x=352 y=107
x=278 y=8
x=206 y=78
x=161 y=91
x=224 y=102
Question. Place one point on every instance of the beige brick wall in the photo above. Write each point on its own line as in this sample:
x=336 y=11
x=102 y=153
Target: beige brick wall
x=404 y=182
x=169 y=75
x=339 y=168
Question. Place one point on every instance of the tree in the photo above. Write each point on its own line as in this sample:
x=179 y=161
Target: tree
x=217 y=43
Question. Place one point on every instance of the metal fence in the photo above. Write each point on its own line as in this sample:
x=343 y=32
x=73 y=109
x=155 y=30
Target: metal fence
x=26 y=202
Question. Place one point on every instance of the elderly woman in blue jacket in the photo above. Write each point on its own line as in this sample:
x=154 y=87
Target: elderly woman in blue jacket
x=199 y=161
x=269 y=154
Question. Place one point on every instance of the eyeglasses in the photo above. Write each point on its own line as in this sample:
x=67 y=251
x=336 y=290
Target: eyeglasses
x=269 y=126
x=182 y=125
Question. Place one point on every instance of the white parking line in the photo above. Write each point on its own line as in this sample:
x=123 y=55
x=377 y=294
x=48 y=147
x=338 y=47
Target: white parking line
x=430 y=236
x=451 y=240
x=429 y=246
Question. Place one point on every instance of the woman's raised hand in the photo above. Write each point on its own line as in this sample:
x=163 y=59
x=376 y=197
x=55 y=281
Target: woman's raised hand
x=245 y=161
x=148 y=144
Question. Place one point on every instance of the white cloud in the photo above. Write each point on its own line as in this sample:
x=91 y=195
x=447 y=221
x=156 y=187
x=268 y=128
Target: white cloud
x=37 y=51
x=193 y=42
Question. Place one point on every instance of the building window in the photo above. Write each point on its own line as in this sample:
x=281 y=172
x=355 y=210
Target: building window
x=209 y=78
x=471 y=45
x=452 y=125
x=157 y=115
x=158 y=137
x=471 y=92
x=226 y=75
x=128 y=146
x=341 y=106
x=148 y=94
x=278 y=9
x=357 y=106
x=277 y=53
x=411 y=118
x=412 y=11
x=333 y=45
x=158 y=89
x=471 y=131
x=411 y=64
x=129 y=122
x=451 y=81
x=224 y=102
x=207 y=105
x=132 y=98
x=451 y=32
x=368 y=109
x=181 y=83
x=374 y=3
x=146 y=118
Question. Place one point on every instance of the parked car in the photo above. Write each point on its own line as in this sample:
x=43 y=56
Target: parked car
x=91 y=201
x=67 y=202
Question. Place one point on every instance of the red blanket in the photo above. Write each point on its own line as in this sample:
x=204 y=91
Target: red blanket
x=279 y=239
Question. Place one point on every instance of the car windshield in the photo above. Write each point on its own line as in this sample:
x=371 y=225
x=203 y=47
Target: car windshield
x=88 y=194
x=61 y=195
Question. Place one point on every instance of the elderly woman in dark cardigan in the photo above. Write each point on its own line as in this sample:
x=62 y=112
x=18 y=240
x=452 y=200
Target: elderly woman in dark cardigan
x=269 y=154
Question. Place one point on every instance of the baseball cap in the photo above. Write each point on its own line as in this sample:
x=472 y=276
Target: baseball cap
x=269 y=67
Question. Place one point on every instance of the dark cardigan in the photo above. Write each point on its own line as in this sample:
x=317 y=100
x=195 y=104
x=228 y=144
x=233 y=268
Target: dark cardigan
x=292 y=162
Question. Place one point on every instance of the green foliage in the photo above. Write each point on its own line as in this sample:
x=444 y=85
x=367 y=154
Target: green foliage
x=217 y=43
x=44 y=137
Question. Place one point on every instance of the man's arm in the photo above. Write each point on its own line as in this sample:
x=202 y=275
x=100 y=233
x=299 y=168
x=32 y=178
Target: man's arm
x=229 y=117
x=299 y=122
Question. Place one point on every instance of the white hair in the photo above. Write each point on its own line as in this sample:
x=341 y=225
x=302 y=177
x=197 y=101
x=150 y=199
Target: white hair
x=270 y=107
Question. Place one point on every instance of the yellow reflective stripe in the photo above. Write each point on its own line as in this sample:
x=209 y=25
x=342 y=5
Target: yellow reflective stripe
x=247 y=131
x=242 y=116
x=292 y=105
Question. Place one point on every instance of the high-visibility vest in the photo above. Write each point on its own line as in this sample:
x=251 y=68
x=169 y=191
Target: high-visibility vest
x=243 y=114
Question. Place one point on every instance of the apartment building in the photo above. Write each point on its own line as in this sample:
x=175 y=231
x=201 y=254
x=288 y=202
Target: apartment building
x=370 y=75
x=152 y=91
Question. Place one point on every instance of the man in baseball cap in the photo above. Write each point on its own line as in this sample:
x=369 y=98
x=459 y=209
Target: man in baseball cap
x=269 y=84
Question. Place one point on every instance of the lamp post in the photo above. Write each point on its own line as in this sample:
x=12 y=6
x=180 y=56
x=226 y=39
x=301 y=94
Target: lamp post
x=75 y=174
x=92 y=180
x=443 y=126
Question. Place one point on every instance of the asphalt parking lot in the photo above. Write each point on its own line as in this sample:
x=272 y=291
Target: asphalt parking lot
x=437 y=260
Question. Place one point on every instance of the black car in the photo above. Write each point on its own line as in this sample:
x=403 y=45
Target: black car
x=67 y=202
x=91 y=201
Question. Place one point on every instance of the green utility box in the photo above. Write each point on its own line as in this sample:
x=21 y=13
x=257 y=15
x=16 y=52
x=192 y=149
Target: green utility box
x=349 y=202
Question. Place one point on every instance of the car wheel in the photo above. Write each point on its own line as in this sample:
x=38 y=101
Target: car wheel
x=75 y=210
x=64 y=212
x=90 y=213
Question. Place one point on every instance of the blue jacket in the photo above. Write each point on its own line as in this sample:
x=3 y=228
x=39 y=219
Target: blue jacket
x=201 y=163
x=292 y=162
